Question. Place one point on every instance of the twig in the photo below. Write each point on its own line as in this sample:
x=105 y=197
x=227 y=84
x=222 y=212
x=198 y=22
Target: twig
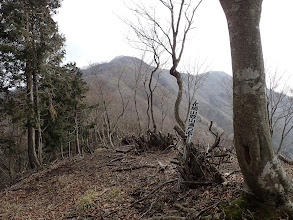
x=185 y=209
x=76 y=215
x=221 y=155
x=197 y=183
x=162 y=166
x=217 y=138
x=175 y=162
x=235 y=171
x=167 y=218
x=134 y=168
x=151 y=206
x=103 y=192
x=152 y=192
x=125 y=151
x=207 y=208
x=116 y=159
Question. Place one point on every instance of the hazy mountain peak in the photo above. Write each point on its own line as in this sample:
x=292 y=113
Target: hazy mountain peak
x=218 y=74
x=124 y=59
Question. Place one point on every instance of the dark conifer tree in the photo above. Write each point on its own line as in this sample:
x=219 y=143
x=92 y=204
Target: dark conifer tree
x=29 y=44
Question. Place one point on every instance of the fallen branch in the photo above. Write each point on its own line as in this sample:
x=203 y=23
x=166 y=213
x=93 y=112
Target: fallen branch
x=150 y=208
x=145 y=197
x=77 y=215
x=207 y=208
x=125 y=151
x=134 y=168
x=152 y=192
x=185 y=209
x=25 y=188
x=175 y=162
x=233 y=172
x=116 y=159
x=167 y=218
x=162 y=166
x=197 y=183
x=221 y=155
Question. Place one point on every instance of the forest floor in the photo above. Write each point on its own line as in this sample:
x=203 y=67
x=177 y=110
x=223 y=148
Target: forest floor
x=112 y=184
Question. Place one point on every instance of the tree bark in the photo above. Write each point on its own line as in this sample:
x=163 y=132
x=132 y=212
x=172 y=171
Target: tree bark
x=33 y=160
x=38 y=131
x=78 y=151
x=178 y=77
x=262 y=171
x=151 y=90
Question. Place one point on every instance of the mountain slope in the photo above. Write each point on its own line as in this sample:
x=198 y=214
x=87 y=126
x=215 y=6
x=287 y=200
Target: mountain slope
x=212 y=97
x=126 y=71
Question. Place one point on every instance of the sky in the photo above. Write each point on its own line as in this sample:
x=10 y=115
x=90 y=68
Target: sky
x=95 y=33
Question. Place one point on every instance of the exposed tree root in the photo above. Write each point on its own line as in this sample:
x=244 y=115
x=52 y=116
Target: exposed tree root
x=194 y=166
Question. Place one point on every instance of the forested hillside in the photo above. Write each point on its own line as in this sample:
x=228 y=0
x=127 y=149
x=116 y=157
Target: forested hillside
x=115 y=106
x=213 y=91
x=141 y=138
x=132 y=75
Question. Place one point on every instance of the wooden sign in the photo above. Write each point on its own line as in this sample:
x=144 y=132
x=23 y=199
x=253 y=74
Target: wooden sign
x=191 y=121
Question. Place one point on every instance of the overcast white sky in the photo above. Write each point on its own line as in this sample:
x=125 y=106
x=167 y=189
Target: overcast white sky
x=94 y=33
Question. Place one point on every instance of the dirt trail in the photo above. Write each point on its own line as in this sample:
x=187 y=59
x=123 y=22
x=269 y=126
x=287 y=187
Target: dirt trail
x=113 y=185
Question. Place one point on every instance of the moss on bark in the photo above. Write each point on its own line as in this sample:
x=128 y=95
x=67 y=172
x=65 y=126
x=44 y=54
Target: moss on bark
x=247 y=207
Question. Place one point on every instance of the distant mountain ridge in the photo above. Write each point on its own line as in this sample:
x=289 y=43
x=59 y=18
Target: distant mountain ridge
x=211 y=95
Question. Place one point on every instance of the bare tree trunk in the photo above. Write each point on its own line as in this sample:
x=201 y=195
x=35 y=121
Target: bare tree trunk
x=171 y=39
x=178 y=77
x=77 y=134
x=262 y=171
x=138 y=78
x=95 y=138
x=148 y=105
x=136 y=110
x=61 y=151
x=33 y=160
x=38 y=130
x=69 y=150
x=151 y=90
x=108 y=127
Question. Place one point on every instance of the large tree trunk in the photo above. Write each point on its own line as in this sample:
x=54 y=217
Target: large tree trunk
x=262 y=171
x=33 y=160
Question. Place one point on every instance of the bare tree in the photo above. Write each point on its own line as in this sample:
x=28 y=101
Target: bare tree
x=192 y=81
x=164 y=104
x=109 y=120
x=171 y=35
x=138 y=75
x=150 y=83
x=147 y=41
x=279 y=108
x=263 y=174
